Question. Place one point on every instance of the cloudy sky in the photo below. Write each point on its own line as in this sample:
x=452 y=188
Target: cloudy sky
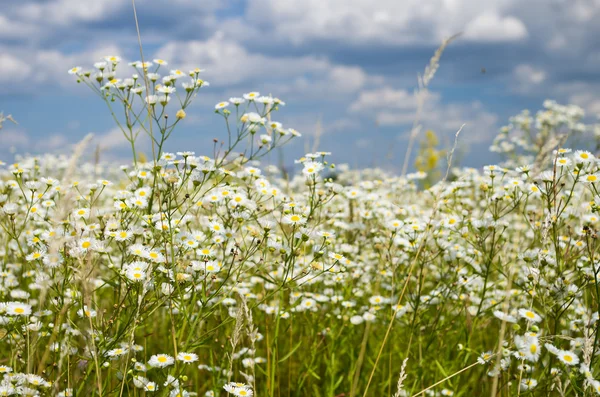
x=349 y=65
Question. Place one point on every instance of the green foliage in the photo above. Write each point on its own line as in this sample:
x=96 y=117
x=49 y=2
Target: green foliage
x=190 y=273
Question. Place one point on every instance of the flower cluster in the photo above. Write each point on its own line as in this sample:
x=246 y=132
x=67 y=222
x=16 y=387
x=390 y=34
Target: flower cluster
x=176 y=276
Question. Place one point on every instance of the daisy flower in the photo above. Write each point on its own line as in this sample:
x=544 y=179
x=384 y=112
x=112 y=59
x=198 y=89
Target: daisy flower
x=312 y=168
x=528 y=347
x=151 y=386
x=116 y=352
x=485 y=357
x=568 y=357
x=160 y=361
x=505 y=317
x=17 y=309
x=187 y=357
x=251 y=95
x=243 y=392
x=583 y=156
x=529 y=315
x=528 y=383
x=294 y=219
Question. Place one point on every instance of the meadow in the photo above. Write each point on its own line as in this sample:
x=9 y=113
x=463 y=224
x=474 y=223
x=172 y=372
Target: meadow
x=213 y=274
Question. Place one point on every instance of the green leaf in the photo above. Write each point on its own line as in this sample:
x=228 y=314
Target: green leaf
x=290 y=353
x=441 y=368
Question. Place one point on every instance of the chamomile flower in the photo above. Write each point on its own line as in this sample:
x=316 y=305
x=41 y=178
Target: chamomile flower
x=135 y=275
x=17 y=309
x=81 y=213
x=528 y=347
x=528 y=384
x=160 y=361
x=151 y=387
x=294 y=219
x=591 y=178
x=118 y=352
x=86 y=312
x=251 y=95
x=505 y=317
x=312 y=168
x=187 y=358
x=529 y=315
x=243 y=392
x=583 y=156
x=563 y=162
x=485 y=358
x=567 y=357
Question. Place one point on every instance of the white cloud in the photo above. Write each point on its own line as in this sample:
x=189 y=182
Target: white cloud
x=589 y=101
x=386 y=21
x=391 y=107
x=64 y=12
x=53 y=142
x=68 y=12
x=113 y=139
x=346 y=78
x=527 y=78
x=227 y=62
x=13 y=68
x=12 y=29
x=583 y=10
x=47 y=67
x=230 y=63
x=13 y=137
x=388 y=98
x=492 y=27
x=21 y=140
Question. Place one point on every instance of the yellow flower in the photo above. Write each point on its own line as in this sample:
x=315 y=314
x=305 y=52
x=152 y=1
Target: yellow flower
x=180 y=114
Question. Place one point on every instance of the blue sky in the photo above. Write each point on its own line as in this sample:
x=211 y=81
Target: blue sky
x=352 y=64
